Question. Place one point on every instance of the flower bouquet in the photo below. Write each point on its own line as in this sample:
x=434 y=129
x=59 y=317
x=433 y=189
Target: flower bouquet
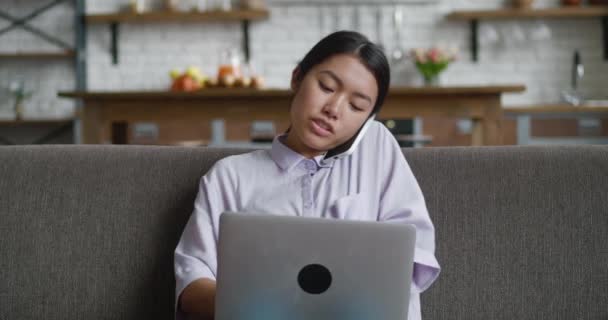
x=431 y=62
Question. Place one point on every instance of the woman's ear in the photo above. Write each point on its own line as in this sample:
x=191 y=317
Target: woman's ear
x=295 y=79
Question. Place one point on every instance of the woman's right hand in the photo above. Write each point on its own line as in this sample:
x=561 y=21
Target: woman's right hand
x=198 y=299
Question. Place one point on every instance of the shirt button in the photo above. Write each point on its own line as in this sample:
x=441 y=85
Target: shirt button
x=310 y=165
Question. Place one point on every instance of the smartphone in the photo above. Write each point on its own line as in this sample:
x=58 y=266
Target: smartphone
x=348 y=147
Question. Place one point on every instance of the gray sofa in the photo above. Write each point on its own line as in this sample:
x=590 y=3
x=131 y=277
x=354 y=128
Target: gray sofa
x=88 y=232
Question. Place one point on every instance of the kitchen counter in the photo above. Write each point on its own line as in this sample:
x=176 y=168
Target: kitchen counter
x=106 y=115
x=524 y=115
x=42 y=130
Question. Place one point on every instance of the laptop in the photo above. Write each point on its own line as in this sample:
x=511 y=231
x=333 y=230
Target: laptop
x=300 y=268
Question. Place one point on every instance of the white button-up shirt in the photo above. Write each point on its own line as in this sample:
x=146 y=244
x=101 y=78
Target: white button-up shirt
x=375 y=183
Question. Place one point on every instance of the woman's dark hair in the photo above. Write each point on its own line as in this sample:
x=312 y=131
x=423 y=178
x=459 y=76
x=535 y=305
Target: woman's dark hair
x=350 y=42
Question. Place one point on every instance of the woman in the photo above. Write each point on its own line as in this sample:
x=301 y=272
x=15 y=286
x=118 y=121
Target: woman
x=338 y=86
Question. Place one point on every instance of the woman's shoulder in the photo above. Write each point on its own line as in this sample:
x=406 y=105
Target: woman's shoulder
x=379 y=146
x=238 y=164
x=379 y=128
x=248 y=160
x=378 y=136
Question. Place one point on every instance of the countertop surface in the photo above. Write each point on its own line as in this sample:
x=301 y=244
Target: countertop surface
x=556 y=108
x=274 y=93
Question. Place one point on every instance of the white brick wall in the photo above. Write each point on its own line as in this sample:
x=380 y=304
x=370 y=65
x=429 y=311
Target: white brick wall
x=42 y=77
x=149 y=51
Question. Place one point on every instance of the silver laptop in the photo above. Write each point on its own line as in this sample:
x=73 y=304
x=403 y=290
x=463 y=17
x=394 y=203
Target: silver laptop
x=294 y=268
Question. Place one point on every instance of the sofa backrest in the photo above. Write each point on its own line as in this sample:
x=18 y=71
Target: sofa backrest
x=522 y=232
x=88 y=232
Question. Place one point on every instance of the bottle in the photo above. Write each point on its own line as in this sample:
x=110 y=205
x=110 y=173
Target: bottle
x=171 y=5
x=253 y=4
x=138 y=6
x=230 y=67
x=223 y=5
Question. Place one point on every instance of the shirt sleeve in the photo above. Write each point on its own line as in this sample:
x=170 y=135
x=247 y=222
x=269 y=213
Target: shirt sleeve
x=196 y=254
x=401 y=200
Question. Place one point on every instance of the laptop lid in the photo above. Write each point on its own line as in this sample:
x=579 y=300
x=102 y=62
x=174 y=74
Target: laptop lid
x=299 y=268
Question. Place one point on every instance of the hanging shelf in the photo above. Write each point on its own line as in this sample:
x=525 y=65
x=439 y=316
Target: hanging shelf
x=474 y=17
x=243 y=16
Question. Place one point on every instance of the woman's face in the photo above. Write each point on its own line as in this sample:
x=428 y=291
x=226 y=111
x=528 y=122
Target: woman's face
x=330 y=105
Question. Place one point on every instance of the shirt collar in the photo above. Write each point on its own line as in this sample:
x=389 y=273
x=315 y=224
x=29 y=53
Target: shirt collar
x=287 y=159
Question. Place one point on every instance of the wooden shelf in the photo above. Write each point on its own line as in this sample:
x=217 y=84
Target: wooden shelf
x=58 y=121
x=114 y=19
x=168 y=16
x=563 y=12
x=37 y=55
x=573 y=12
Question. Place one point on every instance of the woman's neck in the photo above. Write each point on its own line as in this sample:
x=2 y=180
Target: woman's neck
x=295 y=144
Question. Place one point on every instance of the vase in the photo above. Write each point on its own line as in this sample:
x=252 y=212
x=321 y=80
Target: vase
x=18 y=110
x=432 y=81
x=430 y=72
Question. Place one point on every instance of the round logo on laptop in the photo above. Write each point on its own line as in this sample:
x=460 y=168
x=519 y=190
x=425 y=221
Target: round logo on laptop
x=314 y=279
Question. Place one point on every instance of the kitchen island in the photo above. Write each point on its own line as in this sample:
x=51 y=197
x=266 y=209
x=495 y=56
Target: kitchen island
x=525 y=114
x=106 y=116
